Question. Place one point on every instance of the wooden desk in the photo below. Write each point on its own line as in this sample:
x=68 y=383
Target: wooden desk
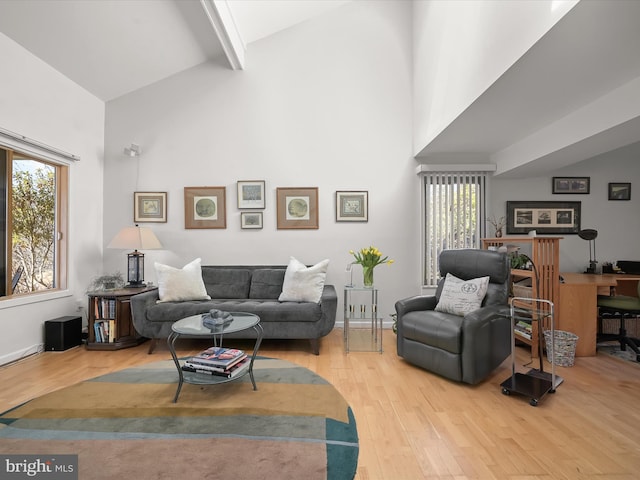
x=577 y=310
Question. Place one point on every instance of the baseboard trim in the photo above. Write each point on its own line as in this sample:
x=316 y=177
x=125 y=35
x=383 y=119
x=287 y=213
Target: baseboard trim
x=20 y=354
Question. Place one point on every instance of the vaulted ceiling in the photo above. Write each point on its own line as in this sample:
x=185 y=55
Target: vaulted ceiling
x=111 y=48
x=574 y=95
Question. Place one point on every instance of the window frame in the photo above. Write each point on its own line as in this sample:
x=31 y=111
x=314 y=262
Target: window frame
x=61 y=247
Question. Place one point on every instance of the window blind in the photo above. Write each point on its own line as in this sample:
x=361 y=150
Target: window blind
x=454 y=211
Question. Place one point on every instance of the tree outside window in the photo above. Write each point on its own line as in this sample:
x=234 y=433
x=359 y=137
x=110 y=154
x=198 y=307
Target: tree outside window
x=33 y=208
x=34 y=203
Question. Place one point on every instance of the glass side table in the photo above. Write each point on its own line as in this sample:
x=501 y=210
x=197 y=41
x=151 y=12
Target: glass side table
x=362 y=325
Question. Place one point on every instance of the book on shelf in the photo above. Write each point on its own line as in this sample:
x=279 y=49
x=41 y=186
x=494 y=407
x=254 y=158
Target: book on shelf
x=219 y=357
x=97 y=332
x=105 y=308
x=230 y=372
x=104 y=331
x=523 y=328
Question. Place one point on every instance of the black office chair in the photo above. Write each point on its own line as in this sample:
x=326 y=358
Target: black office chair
x=620 y=307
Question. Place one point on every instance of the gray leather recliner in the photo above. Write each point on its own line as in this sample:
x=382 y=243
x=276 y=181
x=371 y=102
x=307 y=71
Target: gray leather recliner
x=465 y=349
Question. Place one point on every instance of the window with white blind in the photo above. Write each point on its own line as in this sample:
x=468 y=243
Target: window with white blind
x=453 y=216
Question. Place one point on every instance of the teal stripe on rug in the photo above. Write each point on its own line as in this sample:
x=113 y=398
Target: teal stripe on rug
x=342 y=459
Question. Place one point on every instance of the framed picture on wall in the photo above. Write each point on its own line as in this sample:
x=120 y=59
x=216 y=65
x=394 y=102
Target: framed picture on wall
x=205 y=207
x=352 y=206
x=250 y=220
x=251 y=194
x=619 y=191
x=297 y=207
x=149 y=207
x=544 y=217
x=571 y=185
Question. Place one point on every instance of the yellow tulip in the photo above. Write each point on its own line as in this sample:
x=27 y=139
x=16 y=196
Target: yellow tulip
x=370 y=257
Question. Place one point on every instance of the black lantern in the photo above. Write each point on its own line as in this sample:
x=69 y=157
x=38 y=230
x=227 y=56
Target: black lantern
x=135 y=269
x=135 y=238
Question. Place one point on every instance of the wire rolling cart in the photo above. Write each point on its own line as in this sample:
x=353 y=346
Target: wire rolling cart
x=536 y=383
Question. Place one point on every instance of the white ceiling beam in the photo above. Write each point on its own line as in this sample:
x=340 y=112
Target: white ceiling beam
x=221 y=19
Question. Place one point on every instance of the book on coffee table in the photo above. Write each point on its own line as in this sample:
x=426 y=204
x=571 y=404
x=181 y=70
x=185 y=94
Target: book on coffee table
x=230 y=372
x=218 y=357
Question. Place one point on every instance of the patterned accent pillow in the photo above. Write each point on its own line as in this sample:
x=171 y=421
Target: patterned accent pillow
x=460 y=297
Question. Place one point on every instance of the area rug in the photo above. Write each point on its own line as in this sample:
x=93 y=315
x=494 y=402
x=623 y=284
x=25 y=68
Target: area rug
x=613 y=349
x=124 y=425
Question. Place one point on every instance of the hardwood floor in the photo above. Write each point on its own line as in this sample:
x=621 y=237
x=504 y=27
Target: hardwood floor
x=415 y=425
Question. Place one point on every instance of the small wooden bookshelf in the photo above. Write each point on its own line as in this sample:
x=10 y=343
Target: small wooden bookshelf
x=109 y=319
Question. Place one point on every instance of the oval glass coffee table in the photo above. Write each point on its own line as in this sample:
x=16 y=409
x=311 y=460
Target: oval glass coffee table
x=192 y=327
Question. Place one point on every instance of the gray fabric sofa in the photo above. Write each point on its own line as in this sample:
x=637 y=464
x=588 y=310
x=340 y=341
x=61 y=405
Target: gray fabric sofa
x=252 y=289
x=461 y=348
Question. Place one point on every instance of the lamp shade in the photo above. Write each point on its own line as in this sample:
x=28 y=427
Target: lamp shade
x=135 y=238
x=588 y=234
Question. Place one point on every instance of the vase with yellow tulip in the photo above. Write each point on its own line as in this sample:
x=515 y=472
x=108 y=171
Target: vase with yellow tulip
x=369 y=257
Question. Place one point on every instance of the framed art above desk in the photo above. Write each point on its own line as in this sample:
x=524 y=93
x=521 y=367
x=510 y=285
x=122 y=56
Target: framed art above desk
x=577 y=310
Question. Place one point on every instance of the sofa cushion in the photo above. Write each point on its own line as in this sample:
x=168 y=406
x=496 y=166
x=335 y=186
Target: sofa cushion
x=302 y=283
x=267 y=310
x=173 y=311
x=178 y=284
x=227 y=282
x=460 y=297
x=273 y=310
x=267 y=283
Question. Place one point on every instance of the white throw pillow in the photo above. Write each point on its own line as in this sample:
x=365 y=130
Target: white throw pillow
x=302 y=283
x=178 y=284
x=460 y=297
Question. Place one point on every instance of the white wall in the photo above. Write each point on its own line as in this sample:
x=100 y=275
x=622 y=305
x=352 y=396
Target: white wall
x=40 y=103
x=462 y=47
x=617 y=222
x=324 y=104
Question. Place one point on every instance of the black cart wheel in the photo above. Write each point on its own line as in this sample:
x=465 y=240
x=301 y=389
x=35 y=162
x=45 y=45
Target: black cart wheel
x=533 y=402
x=506 y=391
x=553 y=390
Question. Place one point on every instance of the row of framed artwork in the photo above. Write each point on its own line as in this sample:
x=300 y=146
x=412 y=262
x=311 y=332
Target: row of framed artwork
x=546 y=218
x=582 y=186
x=205 y=207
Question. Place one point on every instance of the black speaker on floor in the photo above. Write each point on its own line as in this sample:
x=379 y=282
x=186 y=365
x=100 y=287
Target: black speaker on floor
x=62 y=333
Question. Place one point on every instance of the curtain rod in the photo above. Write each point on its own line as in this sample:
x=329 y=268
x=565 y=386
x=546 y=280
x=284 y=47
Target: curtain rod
x=34 y=143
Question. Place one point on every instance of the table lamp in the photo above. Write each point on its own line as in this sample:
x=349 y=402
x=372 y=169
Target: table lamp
x=135 y=238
